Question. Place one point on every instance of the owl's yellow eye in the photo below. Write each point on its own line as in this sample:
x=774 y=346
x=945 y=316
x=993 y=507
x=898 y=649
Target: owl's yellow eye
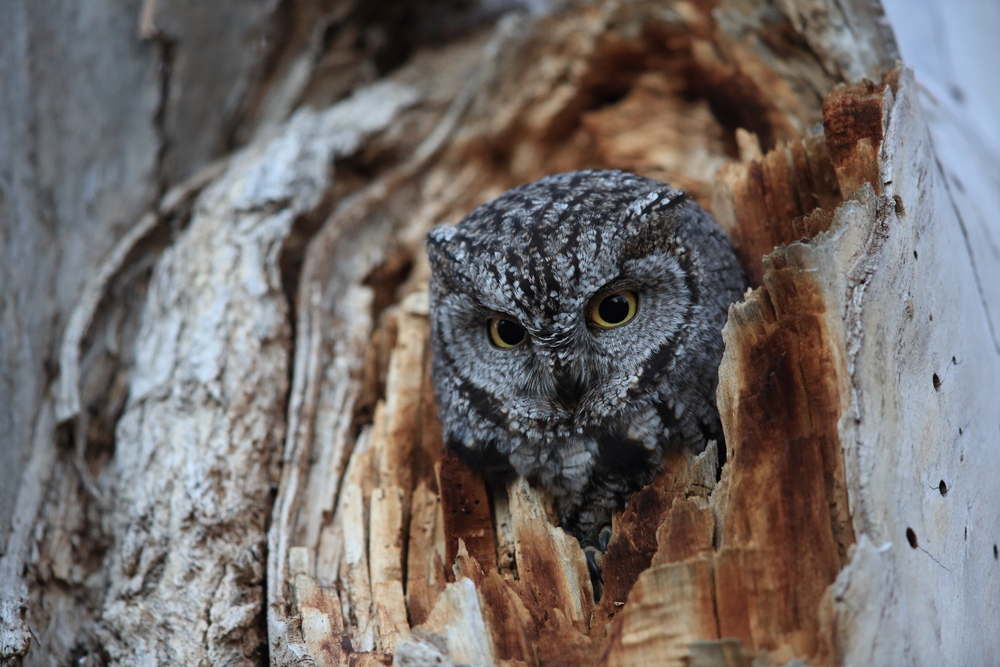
x=615 y=309
x=505 y=333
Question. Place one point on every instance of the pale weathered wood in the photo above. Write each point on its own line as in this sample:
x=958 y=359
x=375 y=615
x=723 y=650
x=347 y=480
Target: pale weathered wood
x=425 y=564
x=353 y=571
x=404 y=382
x=87 y=98
x=385 y=562
x=333 y=430
x=670 y=607
x=455 y=632
x=925 y=390
x=192 y=464
x=78 y=158
x=322 y=623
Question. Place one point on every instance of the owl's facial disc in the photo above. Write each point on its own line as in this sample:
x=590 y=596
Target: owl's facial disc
x=565 y=308
x=568 y=357
x=579 y=352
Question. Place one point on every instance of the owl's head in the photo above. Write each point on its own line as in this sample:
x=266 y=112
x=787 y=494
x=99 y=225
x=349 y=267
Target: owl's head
x=565 y=303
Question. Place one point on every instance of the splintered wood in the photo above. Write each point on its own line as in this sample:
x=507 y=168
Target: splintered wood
x=398 y=553
x=727 y=558
x=421 y=562
x=769 y=200
x=399 y=491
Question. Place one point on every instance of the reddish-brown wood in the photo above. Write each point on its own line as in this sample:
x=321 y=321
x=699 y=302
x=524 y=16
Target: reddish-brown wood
x=772 y=199
x=854 y=120
x=465 y=506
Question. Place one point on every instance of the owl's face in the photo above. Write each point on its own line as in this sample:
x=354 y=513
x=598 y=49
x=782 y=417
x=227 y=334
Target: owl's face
x=557 y=310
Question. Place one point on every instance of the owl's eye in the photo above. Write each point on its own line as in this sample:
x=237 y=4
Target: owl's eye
x=614 y=309
x=505 y=333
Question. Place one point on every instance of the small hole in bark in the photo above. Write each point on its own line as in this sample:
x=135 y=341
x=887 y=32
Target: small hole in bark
x=966 y=533
x=911 y=537
x=937 y=382
x=996 y=553
x=960 y=430
x=915 y=254
x=931 y=318
x=943 y=488
x=898 y=201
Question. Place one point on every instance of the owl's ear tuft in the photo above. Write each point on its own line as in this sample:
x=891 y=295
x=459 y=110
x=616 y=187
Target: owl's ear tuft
x=441 y=234
x=650 y=207
x=447 y=253
x=440 y=249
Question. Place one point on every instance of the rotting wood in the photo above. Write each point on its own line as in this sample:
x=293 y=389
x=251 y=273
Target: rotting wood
x=537 y=607
x=854 y=124
x=776 y=198
x=322 y=623
x=353 y=573
x=395 y=455
x=466 y=512
x=635 y=542
x=385 y=563
x=670 y=607
x=426 y=574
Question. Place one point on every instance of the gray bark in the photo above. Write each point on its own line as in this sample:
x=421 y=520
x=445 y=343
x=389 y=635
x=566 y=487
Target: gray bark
x=106 y=105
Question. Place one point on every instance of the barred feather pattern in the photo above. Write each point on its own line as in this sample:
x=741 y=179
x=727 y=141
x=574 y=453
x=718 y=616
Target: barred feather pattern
x=581 y=410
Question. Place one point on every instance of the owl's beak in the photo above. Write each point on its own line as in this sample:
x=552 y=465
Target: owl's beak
x=569 y=387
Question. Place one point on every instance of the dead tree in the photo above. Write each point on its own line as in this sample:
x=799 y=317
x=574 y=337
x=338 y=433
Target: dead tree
x=235 y=456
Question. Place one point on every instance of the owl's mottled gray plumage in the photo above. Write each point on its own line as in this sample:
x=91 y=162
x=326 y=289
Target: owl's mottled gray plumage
x=584 y=412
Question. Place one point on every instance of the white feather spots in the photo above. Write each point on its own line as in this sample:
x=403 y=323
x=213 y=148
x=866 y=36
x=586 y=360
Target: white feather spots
x=637 y=207
x=540 y=253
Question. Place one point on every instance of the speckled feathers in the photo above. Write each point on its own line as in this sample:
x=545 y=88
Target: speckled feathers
x=582 y=410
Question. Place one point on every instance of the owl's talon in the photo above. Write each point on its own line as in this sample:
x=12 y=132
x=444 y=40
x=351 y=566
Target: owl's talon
x=604 y=538
x=595 y=560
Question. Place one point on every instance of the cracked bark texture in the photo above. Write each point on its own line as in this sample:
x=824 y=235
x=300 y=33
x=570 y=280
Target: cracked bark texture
x=219 y=442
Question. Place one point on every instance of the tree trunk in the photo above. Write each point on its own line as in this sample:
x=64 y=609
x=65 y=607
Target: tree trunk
x=224 y=446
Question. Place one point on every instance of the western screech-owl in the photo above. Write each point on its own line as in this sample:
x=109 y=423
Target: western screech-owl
x=576 y=326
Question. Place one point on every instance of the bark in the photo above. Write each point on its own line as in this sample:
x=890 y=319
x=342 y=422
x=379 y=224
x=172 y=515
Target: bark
x=237 y=458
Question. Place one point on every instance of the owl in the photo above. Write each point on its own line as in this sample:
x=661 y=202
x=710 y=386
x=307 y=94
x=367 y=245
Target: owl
x=576 y=335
